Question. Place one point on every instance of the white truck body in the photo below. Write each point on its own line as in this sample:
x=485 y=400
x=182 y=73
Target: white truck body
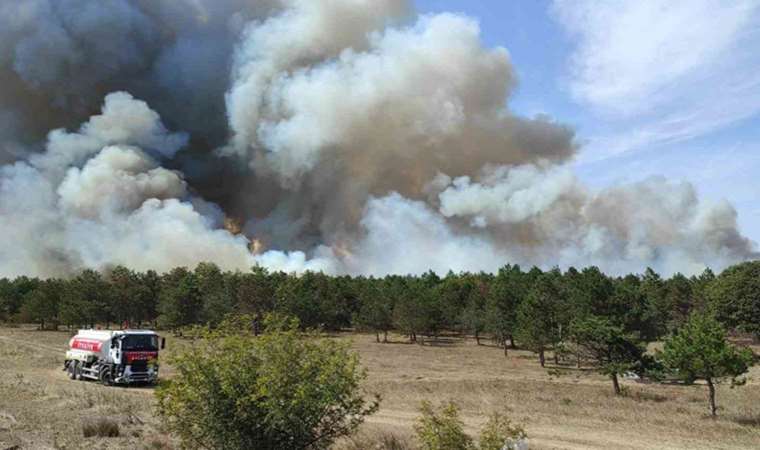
x=123 y=356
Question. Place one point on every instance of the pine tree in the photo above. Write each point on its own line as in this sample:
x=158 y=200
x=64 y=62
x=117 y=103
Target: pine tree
x=537 y=325
x=699 y=351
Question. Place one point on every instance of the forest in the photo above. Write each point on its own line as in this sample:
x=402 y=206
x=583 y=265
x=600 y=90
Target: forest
x=532 y=306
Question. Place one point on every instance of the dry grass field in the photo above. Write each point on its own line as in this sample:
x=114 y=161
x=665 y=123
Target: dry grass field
x=40 y=408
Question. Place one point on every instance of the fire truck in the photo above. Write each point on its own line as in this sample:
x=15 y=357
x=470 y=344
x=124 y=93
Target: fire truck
x=114 y=357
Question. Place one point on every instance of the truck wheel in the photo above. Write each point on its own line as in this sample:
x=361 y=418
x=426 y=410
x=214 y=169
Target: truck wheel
x=72 y=370
x=105 y=376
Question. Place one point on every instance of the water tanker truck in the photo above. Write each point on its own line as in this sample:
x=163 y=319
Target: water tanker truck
x=114 y=357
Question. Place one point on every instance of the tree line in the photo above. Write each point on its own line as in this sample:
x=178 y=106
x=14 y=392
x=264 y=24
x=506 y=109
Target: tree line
x=539 y=308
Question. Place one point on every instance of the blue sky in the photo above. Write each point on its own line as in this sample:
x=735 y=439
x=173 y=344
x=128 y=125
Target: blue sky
x=660 y=87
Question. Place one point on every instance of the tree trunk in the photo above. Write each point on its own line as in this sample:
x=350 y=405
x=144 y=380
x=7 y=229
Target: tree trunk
x=385 y=337
x=377 y=337
x=477 y=337
x=615 y=383
x=512 y=341
x=713 y=408
x=556 y=357
x=505 y=349
x=541 y=358
x=257 y=325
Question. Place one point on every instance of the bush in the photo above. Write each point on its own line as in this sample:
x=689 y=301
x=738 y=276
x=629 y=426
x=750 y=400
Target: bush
x=391 y=442
x=100 y=428
x=376 y=441
x=442 y=430
x=280 y=390
x=500 y=434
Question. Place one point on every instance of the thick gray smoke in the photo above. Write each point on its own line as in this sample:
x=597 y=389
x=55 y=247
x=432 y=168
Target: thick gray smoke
x=349 y=136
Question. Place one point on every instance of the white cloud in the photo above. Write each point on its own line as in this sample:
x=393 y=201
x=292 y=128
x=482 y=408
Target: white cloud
x=659 y=72
x=630 y=52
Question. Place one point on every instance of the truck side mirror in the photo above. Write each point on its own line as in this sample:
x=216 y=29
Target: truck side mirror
x=114 y=344
x=163 y=343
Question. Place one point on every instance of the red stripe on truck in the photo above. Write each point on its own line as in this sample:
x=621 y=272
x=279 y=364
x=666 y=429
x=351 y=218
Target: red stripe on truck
x=139 y=356
x=91 y=345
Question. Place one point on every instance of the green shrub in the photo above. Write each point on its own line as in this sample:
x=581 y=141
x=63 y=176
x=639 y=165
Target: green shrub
x=375 y=441
x=391 y=442
x=442 y=430
x=499 y=433
x=280 y=390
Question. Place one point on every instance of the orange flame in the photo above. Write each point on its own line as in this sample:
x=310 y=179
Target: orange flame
x=232 y=225
x=256 y=246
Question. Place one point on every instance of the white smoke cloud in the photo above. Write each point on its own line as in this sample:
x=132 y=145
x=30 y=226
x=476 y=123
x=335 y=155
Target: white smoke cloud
x=324 y=260
x=404 y=96
x=120 y=207
x=509 y=195
x=306 y=33
x=653 y=222
x=158 y=235
x=118 y=179
x=346 y=136
x=124 y=120
x=31 y=243
x=406 y=236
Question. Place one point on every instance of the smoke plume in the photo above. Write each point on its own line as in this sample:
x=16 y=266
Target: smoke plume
x=348 y=136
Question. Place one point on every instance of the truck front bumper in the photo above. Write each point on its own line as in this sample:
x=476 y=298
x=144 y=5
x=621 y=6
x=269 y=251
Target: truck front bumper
x=128 y=376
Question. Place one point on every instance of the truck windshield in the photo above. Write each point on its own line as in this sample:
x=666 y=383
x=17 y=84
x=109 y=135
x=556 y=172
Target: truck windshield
x=145 y=342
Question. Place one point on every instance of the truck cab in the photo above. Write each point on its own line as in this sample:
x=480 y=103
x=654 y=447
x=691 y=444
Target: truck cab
x=135 y=357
